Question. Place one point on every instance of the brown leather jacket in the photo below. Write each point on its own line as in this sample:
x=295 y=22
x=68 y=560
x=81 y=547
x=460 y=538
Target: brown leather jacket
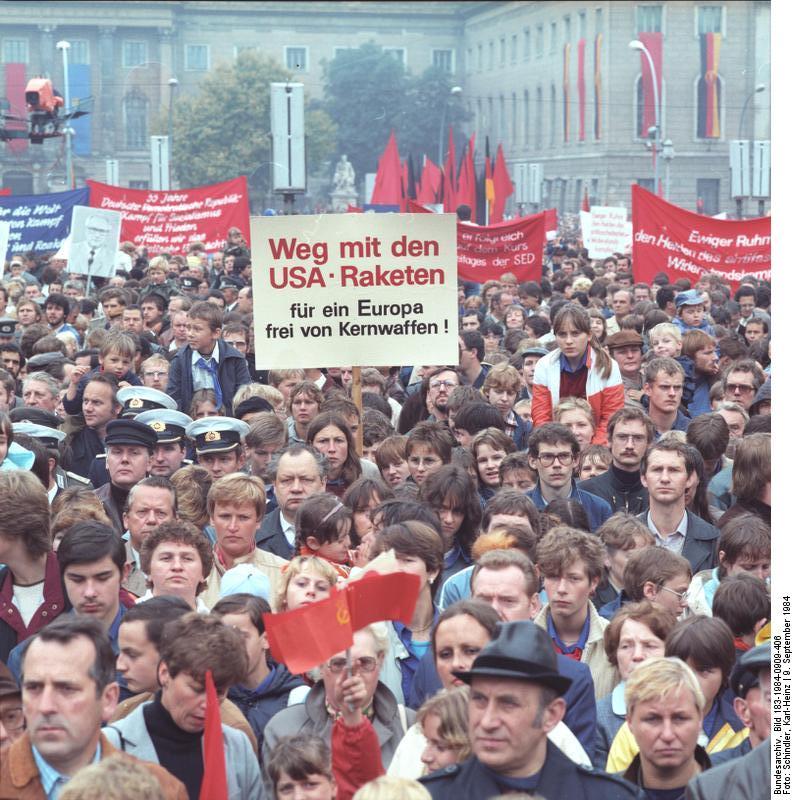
x=19 y=775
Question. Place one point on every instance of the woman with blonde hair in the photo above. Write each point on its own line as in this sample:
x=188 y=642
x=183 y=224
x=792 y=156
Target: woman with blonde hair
x=444 y=723
x=304 y=580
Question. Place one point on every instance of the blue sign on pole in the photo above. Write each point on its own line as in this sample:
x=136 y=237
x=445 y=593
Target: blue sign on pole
x=39 y=222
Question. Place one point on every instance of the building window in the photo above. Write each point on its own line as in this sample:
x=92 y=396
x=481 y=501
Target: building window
x=443 y=60
x=649 y=19
x=296 y=59
x=138 y=184
x=136 y=114
x=598 y=21
x=399 y=53
x=552 y=45
x=502 y=50
x=568 y=29
x=539 y=46
x=582 y=24
x=526 y=117
x=708 y=196
x=513 y=48
x=196 y=57
x=79 y=52
x=538 y=112
x=15 y=51
x=491 y=55
x=646 y=183
x=552 y=112
x=710 y=19
x=133 y=54
x=526 y=43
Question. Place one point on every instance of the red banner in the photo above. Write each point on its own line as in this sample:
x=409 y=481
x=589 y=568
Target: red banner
x=170 y=221
x=486 y=251
x=682 y=244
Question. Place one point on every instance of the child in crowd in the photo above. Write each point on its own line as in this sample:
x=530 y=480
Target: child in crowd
x=489 y=448
x=116 y=356
x=595 y=460
x=322 y=528
x=666 y=341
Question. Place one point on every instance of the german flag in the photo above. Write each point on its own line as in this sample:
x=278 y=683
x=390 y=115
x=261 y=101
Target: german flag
x=566 y=92
x=598 y=86
x=709 y=89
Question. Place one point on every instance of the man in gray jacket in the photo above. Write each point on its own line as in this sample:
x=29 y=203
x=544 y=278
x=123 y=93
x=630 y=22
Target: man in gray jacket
x=169 y=729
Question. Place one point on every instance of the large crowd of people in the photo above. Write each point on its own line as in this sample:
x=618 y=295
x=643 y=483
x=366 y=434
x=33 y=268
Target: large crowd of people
x=585 y=498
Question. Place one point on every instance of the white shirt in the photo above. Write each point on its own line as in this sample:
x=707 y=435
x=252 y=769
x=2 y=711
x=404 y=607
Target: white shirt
x=28 y=599
x=674 y=541
x=288 y=528
x=202 y=378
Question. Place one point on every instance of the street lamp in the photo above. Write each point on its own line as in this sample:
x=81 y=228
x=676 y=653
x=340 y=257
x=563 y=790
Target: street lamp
x=64 y=46
x=635 y=44
x=667 y=154
x=173 y=83
x=757 y=89
x=452 y=92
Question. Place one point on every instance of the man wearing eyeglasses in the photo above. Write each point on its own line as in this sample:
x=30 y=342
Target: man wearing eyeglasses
x=666 y=472
x=330 y=699
x=440 y=384
x=629 y=433
x=741 y=382
x=553 y=453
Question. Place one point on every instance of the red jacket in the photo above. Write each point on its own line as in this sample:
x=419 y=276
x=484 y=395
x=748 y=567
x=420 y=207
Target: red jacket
x=356 y=757
x=604 y=395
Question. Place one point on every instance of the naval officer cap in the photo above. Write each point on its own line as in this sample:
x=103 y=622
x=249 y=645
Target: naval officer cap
x=136 y=399
x=217 y=434
x=169 y=425
x=7 y=326
x=49 y=437
x=130 y=432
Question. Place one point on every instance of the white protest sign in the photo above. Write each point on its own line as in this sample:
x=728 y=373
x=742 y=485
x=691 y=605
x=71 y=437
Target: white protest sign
x=94 y=241
x=604 y=231
x=5 y=232
x=354 y=290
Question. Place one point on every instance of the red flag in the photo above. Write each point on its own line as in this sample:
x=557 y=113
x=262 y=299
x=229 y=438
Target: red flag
x=375 y=597
x=450 y=177
x=5 y=192
x=388 y=181
x=551 y=222
x=502 y=187
x=213 y=785
x=15 y=83
x=351 y=209
x=431 y=183
x=585 y=201
x=654 y=42
x=466 y=185
x=307 y=636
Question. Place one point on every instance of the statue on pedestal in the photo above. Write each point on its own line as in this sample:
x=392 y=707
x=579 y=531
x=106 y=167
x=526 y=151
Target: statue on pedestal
x=343 y=193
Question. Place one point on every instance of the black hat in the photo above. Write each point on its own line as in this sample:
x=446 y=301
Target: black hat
x=231 y=282
x=7 y=326
x=521 y=650
x=744 y=674
x=38 y=416
x=251 y=406
x=131 y=432
x=43 y=360
x=189 y=282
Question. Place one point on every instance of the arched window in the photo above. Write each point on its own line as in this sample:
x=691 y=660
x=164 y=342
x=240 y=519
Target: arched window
x=136 y=118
